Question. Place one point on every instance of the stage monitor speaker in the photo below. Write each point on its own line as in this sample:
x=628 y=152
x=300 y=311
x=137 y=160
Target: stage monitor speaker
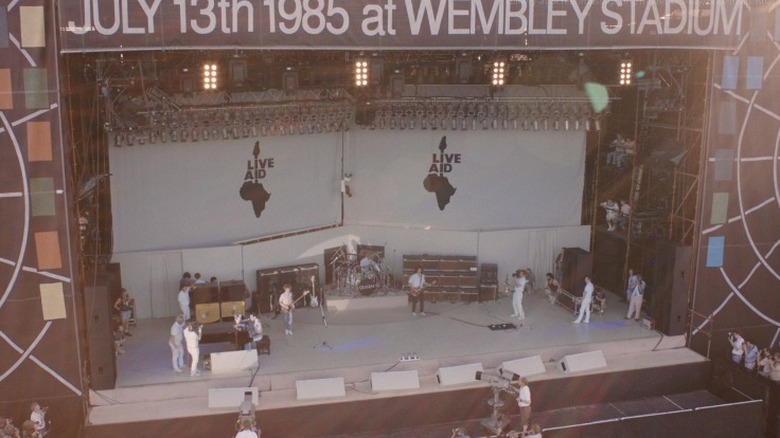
x=98 y=311
x=459 y=374
x=590 y=360
x=395 y=380
x=102 y=362
x=231 y=397
x=233 y=360
x=524 y=367
x=320 y=388
x=669 y=289
x=577 y=263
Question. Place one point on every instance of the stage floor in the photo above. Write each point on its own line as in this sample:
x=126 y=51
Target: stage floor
x=377 y=335
x=371 y=334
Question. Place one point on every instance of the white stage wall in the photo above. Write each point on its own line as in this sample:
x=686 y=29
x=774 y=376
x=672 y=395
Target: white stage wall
x=186 y=195
x=152 y=278
x=503 y=179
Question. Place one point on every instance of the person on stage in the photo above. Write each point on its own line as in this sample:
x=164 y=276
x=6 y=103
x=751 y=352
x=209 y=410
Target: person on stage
x=636 y=298
x=184 y=302
x=38 y=418
x=551 y=289
x=247 y=430
x=417 y=290
x=520 y=282
x=124 y=305
x=524 y=403
x=192 y=336
x=587 y=297
x=176 y=342
x=287 y=305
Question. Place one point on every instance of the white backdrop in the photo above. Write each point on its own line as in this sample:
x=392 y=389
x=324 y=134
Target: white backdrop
x=186 y=195
x=506 y=179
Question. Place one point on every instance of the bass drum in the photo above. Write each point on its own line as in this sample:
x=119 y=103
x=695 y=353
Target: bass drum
x=367 y=286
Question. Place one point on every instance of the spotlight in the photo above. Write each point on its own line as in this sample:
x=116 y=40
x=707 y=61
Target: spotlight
x=626 y=72
x=361 y=73
x=209 y=76
x=499 y=73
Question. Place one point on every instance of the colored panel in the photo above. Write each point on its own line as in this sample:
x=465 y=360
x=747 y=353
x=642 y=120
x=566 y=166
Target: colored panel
x=724 y=164
x=730 y=72
x=777 y=24
x=715 y=245
x=3 y=29
x=727 y=118
x=720 y=208
x=47 y=247
x=33 y=26
x=6 y=91
x=754 y=77
x=39 y=141
x=42 y=196
x=52 y=301
x=36 y=88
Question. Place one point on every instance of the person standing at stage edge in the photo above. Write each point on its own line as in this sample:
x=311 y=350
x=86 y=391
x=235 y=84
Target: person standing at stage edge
x=416 y=290
x=587 y=297
x=636 y=298
x=524 y=403
x=287 y=305
x=192 y=335
x=517 y=295
x=184 y=301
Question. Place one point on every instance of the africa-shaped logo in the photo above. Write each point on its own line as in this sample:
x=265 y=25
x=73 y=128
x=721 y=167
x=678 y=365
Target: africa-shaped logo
x=436 y=182
x=252 y=190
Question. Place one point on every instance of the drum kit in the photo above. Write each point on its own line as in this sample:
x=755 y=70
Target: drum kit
x=365 y=275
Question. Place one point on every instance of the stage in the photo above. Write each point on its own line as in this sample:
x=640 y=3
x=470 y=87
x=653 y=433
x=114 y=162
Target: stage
x=362 y=338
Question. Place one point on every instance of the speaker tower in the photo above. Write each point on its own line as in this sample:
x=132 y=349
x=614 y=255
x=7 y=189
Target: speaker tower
x=669 y=294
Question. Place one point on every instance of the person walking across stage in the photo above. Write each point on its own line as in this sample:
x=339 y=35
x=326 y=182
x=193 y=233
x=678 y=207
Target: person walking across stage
x=192 y=339
x=176 y=342
x=417 y=290
x=551 y=289
x=184 y=301
x=517 y=294
x=636 y=299
x=587 y=297
x=124 y=304
x=287 y=305
x=524 y=403
x=630 y=284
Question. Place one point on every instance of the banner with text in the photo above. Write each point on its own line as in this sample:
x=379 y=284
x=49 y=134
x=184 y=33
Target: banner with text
x=112 y=25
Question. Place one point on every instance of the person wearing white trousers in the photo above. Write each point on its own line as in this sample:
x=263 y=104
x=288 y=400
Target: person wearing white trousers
x=517 y=295
x=587 y=297
x=636 y=298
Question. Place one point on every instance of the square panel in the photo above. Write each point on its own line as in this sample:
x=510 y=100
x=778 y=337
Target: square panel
x=715 y=247
x=724 y=164
x=6 y=90
x=42 y=197
x=730 y=72
x=47 y=248
x=754 y=76
x=33 y=26
x=720 y=208
x=39 y=141
x=52 y=301
x=3 y=28
x=727 y=118
x=36 y=88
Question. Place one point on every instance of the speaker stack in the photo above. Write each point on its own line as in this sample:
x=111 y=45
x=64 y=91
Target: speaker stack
x=669 y=295
x=577 y=263
x=270 y=282
x=102 y=359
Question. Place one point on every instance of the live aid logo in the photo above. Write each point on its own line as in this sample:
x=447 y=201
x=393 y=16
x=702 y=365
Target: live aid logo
x=252 y=190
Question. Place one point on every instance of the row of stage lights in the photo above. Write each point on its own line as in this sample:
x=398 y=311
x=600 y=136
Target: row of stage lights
x=193 y=126
x=489 y=115
x=210 y=74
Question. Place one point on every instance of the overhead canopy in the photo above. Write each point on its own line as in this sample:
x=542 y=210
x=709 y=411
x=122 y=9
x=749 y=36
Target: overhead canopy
x=121 y=25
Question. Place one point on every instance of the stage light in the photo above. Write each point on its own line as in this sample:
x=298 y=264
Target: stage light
x=499 y=73
x=209 y=76
x=361 y=73
x=626 y=72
